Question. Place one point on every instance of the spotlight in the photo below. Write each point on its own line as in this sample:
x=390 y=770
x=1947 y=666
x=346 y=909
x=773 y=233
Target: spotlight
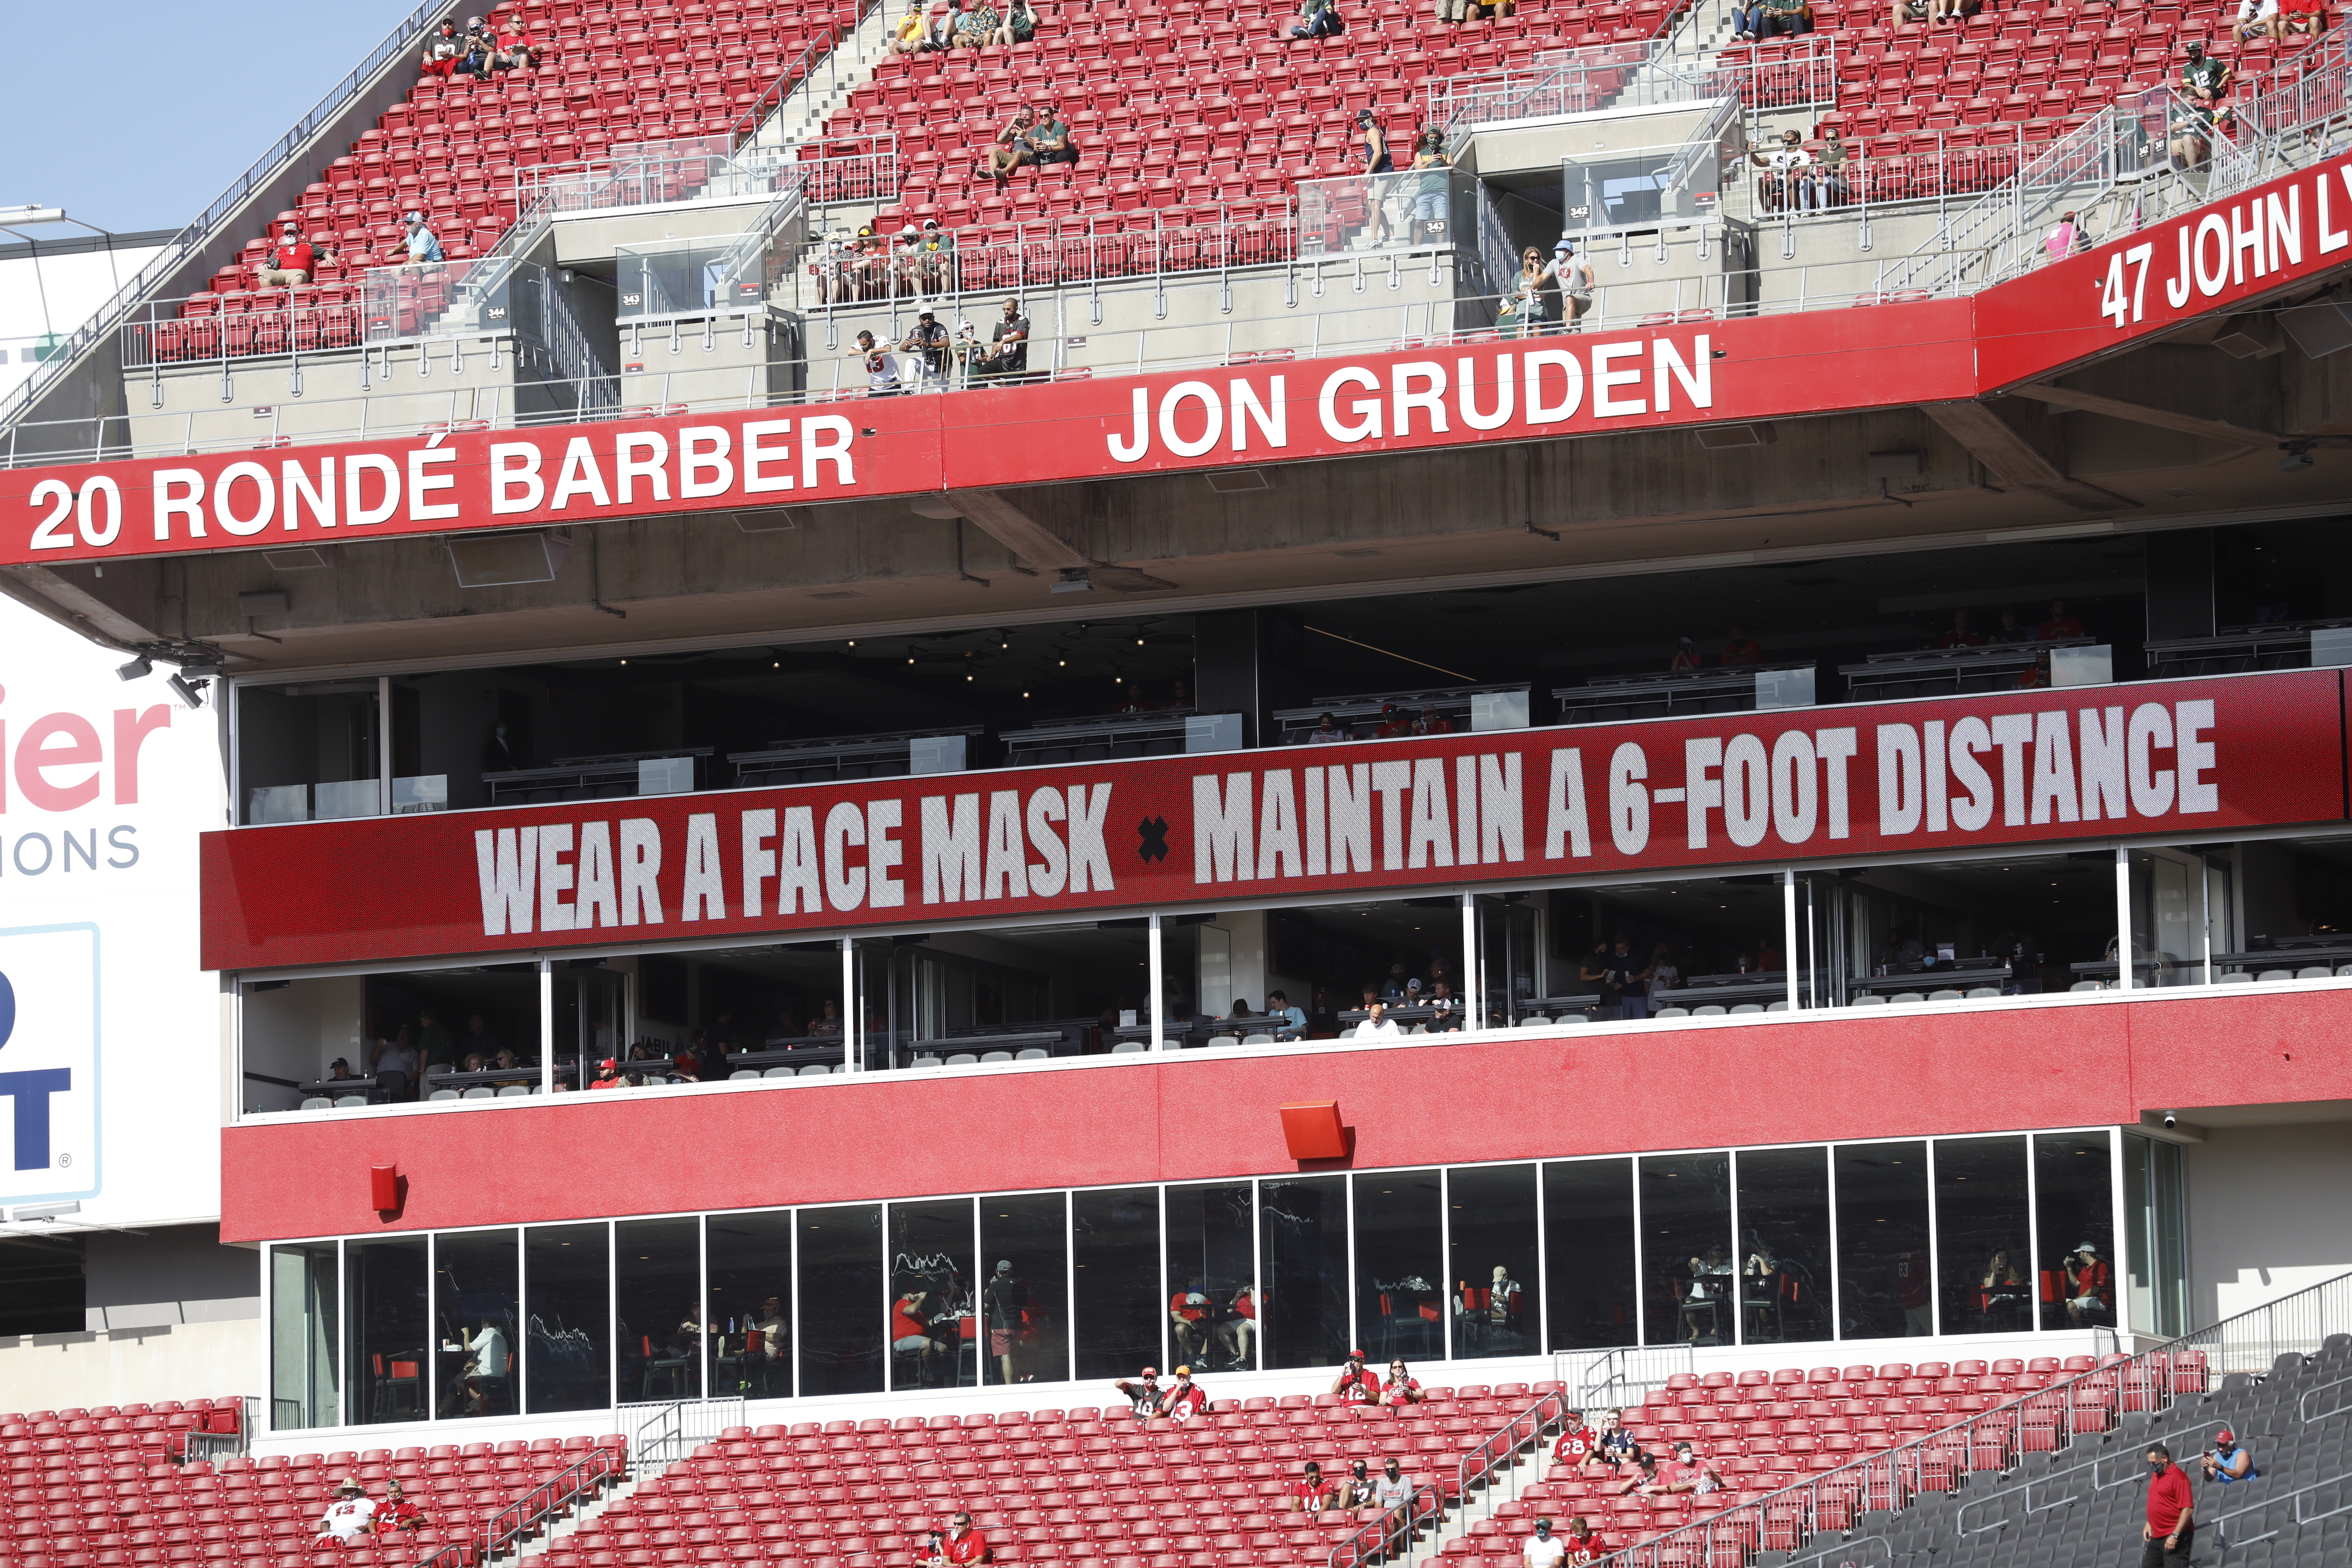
x=46 y=1211
x=187 y=692
x=139 y=668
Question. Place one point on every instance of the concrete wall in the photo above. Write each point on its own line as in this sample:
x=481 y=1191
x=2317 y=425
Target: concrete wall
x=164 y=1277
x=2266 y=1214
x=185 y=1361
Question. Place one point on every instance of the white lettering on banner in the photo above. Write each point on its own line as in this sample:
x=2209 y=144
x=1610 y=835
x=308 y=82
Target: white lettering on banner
x=884 y=891
x=296 y=486
x=1006 y=873
x=1050 y=873
x=2247 y=241
x=599 y=900
x=1566 y=831
x=951 y=848
x=555 y=874
x=1220 y=828
x=641 y=861
x=705 y=889
x=845 y=824
x=1502 y=821
x=1280 y=852
x=1629 y=801
x=1089 y=856
x=506 y=860
x=580 y=477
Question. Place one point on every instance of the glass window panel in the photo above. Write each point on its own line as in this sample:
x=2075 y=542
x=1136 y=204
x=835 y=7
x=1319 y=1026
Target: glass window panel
x=1115 y=1242
x=842 y=1300
x=1399 y=1261
x=1025 y=1308
x=567 y=1348
x=2152 y=1208
x=752 y=1304
x=658 y=1292
x=392 y=1338
x=1884 y=1289
x=1784 y=1244
x=303 y=1341
x=1589 y=1252
x=2074 y=1187
x=1492 y=1214
x=474 y=1310
x=1302 y=1228
x=1981 y=1236
x=934 y=1340
x=1212 y=1282
x=1687 y=1249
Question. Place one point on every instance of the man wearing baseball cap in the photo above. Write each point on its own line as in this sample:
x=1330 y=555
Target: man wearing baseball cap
x=396 y=1513
x=292 y=261
x=608 y=1076
x=929 y=343
x=348 y=1517
x=1356 y=1384
x=2225 y=1462
x=420 y=243
x=1143 y=1393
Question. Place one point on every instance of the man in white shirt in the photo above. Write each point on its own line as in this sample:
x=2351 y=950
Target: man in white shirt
x=1791 y=165
x=1543 y=1549
x=350 y=1517
x=1378 y=1025
x=486 y=1371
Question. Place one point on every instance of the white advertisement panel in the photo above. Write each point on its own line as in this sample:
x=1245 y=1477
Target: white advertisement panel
x=111 y=1041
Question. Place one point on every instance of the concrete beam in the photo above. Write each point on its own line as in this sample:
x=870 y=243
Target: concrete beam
x=45 y=593
x=1042 y=545
x=2015 y=462
x=2142 y=414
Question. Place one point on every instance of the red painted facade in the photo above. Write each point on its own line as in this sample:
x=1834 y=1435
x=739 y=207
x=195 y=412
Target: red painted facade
x=1203 y=1116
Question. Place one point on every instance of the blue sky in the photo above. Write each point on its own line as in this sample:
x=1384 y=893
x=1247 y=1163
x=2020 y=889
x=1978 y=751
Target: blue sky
x=135 y=114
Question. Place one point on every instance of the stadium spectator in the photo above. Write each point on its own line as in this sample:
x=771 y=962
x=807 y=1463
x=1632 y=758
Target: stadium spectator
x=934 y=255
x=2205 y=77
x=393 y=1062
x=2059 y=623
x=976 y=26
x=472 y=1062
x=1543 y=1550
x=1238 y=1328
x=1665 y=975
x=1686 y=656
x=1184 y=1398
x=1583 y=1545
x=419 y=240
x=1368 y=145
x=349 y=1518
x=1498 y=1320
x=1615 y=1447
x=1003 y=1306
x=2171 y=1527
x=1142 y=1393
x=2225 y=1462
x=908 y=35
x=1378 y=1025
x=515 y=49
x=828 y=1018
x=1788 y=173
x=1644 y=1474
x=340 y=1071
x=434 y=1045
x=1831 y=177
x=772 y=1328
x=483 y=1375
x=1356 y=1384
x=1686 y=1472
x=1575 y=1442
x=1358 y=1491
x=1327 y=732
x=942 y=36
x=1290 y=1023
x=1392 y=1495
x=1573 y=275
x=2065 y=239
x=1310 y=1493
x=442 y=48
x=960 y=1546
x=1008 y=350
x=911 y=1321
x=1188 y=1310
x=2089 y=1286
x=608 y=1075
x=1402 y=1387
x=1741 y=648
x=395 y=1512
x=1049 y=138
x=2300 y=16
x=479 y=47
x=1317 y=19
x=1960 y=635
x=1012 y=148
x=2008 y=631
x=1429 y=197
x=1519 y=313
x=1018 y=25
x=2259 y=19
x=292 y=260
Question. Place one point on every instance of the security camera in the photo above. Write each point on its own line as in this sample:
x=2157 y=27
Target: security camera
x=2170 y=1119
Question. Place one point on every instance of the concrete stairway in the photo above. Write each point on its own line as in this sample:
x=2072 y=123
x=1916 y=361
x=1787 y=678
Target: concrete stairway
x=802 y=115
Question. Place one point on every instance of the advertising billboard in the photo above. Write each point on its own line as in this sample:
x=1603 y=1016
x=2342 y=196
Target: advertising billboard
x=111 y=1057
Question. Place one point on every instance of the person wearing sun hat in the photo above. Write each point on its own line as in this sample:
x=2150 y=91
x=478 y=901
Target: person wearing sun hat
x=348 y=1517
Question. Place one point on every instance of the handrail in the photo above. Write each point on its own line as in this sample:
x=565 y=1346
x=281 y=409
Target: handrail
x=191 y=238
x=747 y=129
x=549 y=1498
x=1501 y=1447
x=1355 y=1551
x=667 y=1433
x=2148 y=1382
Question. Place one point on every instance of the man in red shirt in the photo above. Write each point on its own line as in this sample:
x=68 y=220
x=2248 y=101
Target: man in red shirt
x=2060 y=623
x=1742 y=649
x=1310 y=1493
x=1583 y=1546
x=395 y=1512
x=292 y=260
x=1185 y=1310
x=1354 y=1386
x=608 y=1076
x=960 y=1547
x=2171 y=1514
x=1575 y=1441
x=1686 y=1472
x=1186 y=1399
x=2088 y=1280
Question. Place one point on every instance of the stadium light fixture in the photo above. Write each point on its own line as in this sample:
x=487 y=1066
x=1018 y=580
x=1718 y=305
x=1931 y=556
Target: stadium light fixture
x=186 y=691
x=45 y=1212
x=139 y=668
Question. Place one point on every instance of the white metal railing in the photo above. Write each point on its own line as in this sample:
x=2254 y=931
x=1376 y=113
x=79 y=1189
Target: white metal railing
x=860 y=168
x=2077 y=1412
x=200 y=232
x=1620 y=1378
x=666 y=1431
x=1635 y=75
